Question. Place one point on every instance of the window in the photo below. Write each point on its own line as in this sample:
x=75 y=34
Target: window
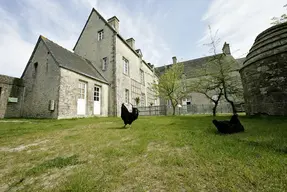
x=142 y=99
x=127 y=99
x=100 y=35
x=126 y=66
x=104 y=63
x=0 y=91
x=96 y=94
x=142 y=76
x=82 y=90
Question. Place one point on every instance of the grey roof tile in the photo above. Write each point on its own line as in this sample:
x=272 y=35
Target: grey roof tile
x=72 y=61
x=190 y=66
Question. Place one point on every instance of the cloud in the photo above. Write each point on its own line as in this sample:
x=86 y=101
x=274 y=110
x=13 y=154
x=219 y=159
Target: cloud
x=13 y=48
x=138 y=25
x=239 y=22
x=62 y=22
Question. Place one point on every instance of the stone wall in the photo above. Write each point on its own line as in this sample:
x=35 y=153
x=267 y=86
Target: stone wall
x=89 y=47
x=264 y=74
x=124 y=81
x=41 y=78
x=69 y=93
x=10 y=87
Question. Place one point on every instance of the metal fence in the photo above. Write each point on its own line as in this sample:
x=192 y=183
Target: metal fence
x=276 y=108
x=153 y=110
x=187 y=109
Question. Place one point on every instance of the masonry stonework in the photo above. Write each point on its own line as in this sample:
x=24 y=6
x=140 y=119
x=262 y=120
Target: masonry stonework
x=88 y=46
x=13 y=88
x=41 y=79
x=124 y=81
x=264 y=74
x=69 y=93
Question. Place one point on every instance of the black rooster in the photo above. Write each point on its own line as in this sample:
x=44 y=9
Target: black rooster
x=228 y=127
x=129 y=117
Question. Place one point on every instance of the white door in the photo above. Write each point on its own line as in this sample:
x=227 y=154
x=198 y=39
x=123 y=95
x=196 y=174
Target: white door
x=97 y=100
x=82 y=98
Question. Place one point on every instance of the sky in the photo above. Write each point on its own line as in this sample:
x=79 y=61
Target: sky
x=161 y=28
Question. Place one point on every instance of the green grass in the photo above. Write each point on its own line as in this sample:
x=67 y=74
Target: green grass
x=183 y=153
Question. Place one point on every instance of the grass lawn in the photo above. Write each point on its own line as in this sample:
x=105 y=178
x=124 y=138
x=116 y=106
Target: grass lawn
x=157 y=154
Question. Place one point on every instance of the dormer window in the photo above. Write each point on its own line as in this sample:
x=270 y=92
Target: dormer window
x=100 y=35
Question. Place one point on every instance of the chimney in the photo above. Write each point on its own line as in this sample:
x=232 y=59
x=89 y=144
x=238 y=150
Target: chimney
x=140 y=53
x=131 y=42
x=174 y=60
x=226 y=49
x=114 y=22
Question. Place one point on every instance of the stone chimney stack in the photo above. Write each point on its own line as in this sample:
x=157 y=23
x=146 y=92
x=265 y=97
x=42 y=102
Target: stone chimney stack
x=131 y=42
x=174 y=60
x=114 y=22
x=226 y=49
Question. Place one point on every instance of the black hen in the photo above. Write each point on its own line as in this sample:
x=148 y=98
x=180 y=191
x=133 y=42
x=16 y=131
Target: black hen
x=228 y=127
x=129 y=117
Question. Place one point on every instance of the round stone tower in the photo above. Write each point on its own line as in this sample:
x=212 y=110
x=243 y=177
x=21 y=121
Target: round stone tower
x=264 y=73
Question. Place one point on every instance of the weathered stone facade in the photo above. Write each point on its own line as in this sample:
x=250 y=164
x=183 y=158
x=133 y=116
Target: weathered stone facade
x=69 y=94
x=114 y=48
x=133 y=78
x=12 y=88
x=191 y=68
x=88 y=46
x=264 y=74
x=42 y=80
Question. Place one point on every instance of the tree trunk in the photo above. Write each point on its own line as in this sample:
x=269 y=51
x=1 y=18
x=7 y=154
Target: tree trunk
x=216 y=103
x=214 y=109
x=173 y=108
x=231 y=103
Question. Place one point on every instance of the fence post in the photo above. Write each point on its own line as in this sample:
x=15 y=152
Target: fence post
x=165 y=110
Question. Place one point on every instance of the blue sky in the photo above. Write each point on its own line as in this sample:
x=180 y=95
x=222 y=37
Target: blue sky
x=161 y=28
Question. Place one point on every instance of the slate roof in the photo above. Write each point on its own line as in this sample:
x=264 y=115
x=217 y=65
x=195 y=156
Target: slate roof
x=190 y=66
x=73 y=62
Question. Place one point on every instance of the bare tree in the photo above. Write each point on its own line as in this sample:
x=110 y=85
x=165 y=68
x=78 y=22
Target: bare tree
x=281 y=19
x=208 y=87
x=217 y=76
x=169 y=86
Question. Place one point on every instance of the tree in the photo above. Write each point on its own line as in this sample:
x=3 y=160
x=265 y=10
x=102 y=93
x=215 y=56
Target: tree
x=169 y=86
x=278 y=20
x=208 y=87
x=217 y=77
x=137 y=100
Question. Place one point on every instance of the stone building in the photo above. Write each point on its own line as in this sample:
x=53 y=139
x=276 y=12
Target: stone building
x=264 y=73
x=118 y=60
x=190 y=67
x=103 y=71
x=11 y=96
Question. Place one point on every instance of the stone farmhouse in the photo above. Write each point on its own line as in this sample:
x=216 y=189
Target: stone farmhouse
x=103 y=71
x=190 y=67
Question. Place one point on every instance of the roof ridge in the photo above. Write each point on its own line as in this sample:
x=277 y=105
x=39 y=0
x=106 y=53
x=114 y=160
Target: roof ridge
x=64 y=48
x=45 y=38
x=199 y=58
x=86 y=61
